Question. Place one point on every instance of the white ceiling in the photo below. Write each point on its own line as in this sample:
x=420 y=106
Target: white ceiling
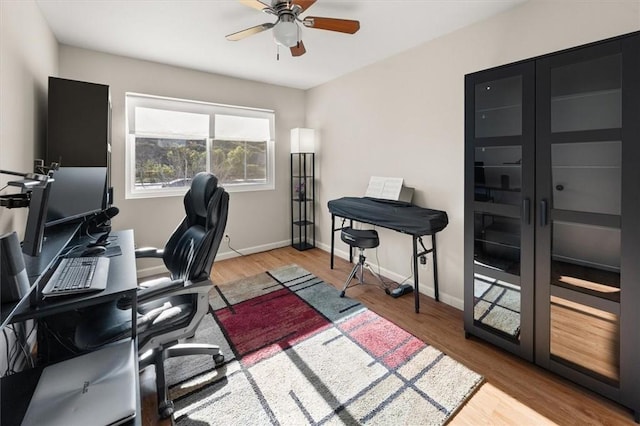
x=191 y=33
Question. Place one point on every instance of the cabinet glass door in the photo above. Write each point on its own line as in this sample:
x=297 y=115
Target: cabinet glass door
x=499 y=191
x=579 y=174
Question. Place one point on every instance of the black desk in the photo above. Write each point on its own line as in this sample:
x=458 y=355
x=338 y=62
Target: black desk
x=401 y=217
x=18 y=388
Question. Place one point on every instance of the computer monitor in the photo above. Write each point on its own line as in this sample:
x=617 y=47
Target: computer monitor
x=76 y=192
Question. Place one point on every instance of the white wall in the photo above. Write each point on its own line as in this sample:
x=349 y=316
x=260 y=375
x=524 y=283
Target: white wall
x=405 y=117
x=257 y=220
x=28 y=56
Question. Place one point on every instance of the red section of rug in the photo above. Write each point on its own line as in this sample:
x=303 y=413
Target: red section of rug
x=382 y=339
x=265 y=325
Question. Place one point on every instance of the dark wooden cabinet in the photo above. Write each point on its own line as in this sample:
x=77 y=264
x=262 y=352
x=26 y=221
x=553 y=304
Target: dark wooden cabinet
x=303 y=189
x=78 y=124
x=552 y=213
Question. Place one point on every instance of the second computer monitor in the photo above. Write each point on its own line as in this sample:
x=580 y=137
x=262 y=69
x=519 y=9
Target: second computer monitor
x=76 y=192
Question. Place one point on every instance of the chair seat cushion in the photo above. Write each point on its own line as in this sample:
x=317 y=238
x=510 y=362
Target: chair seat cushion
x=361 y=238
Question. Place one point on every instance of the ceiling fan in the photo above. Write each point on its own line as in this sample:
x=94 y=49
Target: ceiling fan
x=286 y=31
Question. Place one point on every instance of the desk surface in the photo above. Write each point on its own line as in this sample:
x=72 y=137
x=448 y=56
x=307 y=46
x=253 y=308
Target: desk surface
x=398 y=216
x=18 y=388
x=122 y=279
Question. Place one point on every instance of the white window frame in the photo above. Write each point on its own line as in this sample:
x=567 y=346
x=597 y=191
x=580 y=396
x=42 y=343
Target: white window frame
x=133 y=100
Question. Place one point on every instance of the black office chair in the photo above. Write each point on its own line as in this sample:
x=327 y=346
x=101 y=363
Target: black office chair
x=171 y=308
x=361 y=239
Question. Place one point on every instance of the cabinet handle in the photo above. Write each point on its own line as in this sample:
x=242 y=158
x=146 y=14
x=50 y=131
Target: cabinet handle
x=526 y=211
x=543 y=212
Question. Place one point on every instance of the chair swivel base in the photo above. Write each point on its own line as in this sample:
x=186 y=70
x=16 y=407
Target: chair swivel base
x=165 y=405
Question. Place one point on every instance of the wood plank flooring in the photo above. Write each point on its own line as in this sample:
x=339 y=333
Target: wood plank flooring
x=515 y=392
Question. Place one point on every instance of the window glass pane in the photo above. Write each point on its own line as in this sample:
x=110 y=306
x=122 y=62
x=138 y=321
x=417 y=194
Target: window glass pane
x=497 y=242
x=236 y=162
x=497 y=304
x=586 y=258
x=168 y=163
x=587 y=176
x=499 y=108
x=587 y=95
x=498 y=174
x=585 y=338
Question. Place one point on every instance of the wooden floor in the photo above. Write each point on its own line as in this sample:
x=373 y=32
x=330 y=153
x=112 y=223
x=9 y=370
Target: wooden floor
x=515 y=392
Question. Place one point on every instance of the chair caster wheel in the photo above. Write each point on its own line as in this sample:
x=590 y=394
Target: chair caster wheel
x=166 y=409
x=342 y=294
x=218 y=359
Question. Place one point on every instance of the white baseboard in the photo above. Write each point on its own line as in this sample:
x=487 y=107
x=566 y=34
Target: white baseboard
x=222 y=255
x=426 y=289
x=228 y=254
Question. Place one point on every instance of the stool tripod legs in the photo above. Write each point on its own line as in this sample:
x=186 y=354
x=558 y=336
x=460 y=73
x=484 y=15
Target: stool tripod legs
x=360 y=266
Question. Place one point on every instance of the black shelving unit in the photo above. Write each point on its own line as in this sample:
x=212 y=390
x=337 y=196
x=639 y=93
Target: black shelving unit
x=303 y=191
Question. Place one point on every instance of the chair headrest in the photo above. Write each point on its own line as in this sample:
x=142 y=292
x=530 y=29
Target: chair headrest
x=202 y=187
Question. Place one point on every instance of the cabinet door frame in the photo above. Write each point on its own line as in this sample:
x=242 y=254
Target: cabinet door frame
x=628 y=221
x=526 y=69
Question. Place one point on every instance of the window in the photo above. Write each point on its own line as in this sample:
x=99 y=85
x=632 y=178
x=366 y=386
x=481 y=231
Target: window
x=171 y=140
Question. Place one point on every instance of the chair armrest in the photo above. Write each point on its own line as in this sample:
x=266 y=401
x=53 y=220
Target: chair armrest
x=149 y=252
x=160 y=288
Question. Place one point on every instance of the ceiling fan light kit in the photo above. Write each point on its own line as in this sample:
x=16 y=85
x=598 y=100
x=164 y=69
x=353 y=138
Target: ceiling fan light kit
x=286 y=31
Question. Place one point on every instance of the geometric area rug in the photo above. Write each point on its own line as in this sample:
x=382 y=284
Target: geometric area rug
x=296 y=353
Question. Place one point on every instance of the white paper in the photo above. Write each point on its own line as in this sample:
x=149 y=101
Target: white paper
x=387 y=188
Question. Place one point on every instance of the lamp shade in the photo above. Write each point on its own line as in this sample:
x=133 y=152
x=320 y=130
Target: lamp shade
x=302 y=140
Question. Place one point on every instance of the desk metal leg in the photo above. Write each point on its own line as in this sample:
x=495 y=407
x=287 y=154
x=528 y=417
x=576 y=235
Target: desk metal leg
x=415 y=274
x=435 y=267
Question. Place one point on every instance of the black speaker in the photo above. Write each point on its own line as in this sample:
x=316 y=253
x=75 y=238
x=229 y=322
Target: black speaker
x=14 y=282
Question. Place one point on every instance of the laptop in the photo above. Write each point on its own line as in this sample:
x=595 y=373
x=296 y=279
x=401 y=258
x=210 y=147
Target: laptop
x=97 y=388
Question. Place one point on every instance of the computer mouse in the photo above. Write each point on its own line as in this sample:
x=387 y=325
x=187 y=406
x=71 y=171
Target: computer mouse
x=94 y=251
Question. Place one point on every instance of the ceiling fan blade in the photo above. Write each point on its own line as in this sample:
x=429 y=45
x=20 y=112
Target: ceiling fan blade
x=298 y=50
x=304 y=4
x=332 y=24
x=256 y=4
x=249 y=31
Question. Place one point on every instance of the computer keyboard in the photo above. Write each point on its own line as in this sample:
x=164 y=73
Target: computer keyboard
x=78 y=275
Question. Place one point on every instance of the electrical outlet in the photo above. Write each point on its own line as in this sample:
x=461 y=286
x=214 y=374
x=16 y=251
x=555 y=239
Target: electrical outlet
x=423 y=262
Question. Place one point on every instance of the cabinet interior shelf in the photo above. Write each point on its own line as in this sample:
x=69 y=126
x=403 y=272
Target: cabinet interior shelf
x=595 y=93
x=497 y=244
x=497 y=188
x=501 y=166
x=498 y=108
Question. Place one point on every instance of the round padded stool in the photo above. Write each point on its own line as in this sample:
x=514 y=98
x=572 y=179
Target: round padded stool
x=361 y=239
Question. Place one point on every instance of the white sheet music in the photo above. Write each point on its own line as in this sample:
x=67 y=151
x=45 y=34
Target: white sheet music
x=387 y=188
